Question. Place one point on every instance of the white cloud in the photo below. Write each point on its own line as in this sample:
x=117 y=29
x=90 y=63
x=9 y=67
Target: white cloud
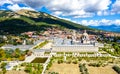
x=2 y=2
x=78 y=8
x=78 y=14
x=68 y=19
x=90 y=22
x=104 y=13
x=75 y=8
x=116 y=7
x=84 y=22
x=96 y=5
x=57 y=13
x=99 y=13
x=105 y=22
x=16 y=7
x=117 y=22
x=100 y=22
x=36 y=4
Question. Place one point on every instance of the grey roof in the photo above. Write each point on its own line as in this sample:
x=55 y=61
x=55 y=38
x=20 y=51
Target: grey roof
x=21 y=47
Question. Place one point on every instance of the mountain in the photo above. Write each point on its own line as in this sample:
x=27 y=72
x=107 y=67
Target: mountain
x=26 y=20
x=111 y=28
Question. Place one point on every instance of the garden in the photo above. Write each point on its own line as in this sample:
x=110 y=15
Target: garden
x=82 y=65
x=39 y=60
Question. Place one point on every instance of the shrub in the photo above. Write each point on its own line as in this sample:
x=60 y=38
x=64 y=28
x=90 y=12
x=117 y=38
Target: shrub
x=68 y=62
x=117 y=69
x=79 y=59
x=83 y=69
x=86 y=69
x=28 y=69
x=60 y=61
x=86 y=72
x=95 y=64
x=75 y=62
x=53 y=73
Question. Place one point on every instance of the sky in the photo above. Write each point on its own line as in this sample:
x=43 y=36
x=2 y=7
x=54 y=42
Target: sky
x=86 y=12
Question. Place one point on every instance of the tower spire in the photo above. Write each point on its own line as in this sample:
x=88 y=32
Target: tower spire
x=84 y=31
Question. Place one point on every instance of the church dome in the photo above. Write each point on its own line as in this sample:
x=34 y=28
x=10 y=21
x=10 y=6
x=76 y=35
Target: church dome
x=85 y=34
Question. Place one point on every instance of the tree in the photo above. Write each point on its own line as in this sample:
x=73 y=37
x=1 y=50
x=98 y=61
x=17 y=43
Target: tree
x=2 y=53
x=17 y=53
x=17 y=50
x=60 y=61
x=22 y=58
x=28 y=69
x=75 y=61
x=116 y=68
x=3 y=67
x=4 y=70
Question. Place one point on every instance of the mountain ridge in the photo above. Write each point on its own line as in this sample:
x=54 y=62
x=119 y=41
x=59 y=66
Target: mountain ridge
x=13 y=22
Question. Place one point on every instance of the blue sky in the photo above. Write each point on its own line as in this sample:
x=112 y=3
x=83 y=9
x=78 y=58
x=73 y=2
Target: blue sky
x=86 y=12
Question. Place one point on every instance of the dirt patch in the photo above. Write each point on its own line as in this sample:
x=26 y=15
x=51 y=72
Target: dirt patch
x=65 y=68
x=101 y=70
x=16 y=72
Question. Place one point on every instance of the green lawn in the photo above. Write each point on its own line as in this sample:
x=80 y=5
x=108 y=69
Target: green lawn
x=39 y=60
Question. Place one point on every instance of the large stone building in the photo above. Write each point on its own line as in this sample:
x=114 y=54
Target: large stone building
x=84 y=44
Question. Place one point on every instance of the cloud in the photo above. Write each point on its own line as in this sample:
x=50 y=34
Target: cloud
x=104 y=13
x=36 y=4
x=2 y=2
x=100 y=22
x=96 y=5
x=16 y=7
x=90 y=22
x=74 y=8
x=78 y=8
x=116 y=7
x=57 y=13
x=117 y=22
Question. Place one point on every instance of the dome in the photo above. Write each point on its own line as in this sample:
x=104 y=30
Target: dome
x=85 y=34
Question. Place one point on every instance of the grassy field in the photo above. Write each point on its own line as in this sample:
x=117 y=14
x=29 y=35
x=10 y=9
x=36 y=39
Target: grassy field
x=64 y=68
x=101 y=70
